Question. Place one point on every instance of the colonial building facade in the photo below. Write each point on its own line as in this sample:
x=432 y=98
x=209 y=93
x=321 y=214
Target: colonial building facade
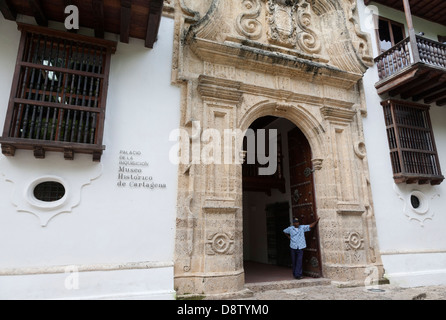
x=95 y=203
x=406 y=177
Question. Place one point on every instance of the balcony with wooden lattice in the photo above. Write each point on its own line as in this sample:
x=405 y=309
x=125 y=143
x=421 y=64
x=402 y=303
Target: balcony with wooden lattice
x=415 y=67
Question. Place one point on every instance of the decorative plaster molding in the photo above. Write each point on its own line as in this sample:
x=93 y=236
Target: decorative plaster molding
x=87 y=268
x=25 y=175
x=424 y=211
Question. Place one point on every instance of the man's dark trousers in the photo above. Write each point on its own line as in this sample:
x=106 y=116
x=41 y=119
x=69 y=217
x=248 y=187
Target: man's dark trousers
x=296 y=259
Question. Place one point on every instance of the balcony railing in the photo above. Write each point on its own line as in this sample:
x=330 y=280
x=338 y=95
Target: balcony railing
x=394 y=60
x=402 y=56
x=413 y=67
x=432 y=52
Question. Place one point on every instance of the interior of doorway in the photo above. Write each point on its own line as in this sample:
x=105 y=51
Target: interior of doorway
x=268 y=208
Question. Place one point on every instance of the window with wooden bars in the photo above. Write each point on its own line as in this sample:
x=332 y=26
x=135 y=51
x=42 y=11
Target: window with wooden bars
x=58 y=94
x=413 y=152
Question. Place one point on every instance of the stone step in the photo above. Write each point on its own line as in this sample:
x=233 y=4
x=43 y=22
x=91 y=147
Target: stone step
x=287 y=284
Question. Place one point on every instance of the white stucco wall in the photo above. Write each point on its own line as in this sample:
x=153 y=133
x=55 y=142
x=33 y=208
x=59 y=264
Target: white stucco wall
x=116 y=242
x=413 y=246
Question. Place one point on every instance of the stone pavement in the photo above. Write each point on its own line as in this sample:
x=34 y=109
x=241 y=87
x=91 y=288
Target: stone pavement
x=325 y=290
x=331 y=292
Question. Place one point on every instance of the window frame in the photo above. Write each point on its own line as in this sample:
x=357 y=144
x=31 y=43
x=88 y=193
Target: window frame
x=392 y=38
x=403 y=170
x=10 y=141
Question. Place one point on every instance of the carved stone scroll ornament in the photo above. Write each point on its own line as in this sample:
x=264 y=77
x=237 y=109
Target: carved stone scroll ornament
x=362 y=43
x=307 y=38
x=247 y=24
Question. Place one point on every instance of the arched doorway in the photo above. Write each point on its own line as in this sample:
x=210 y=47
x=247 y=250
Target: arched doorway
x=271 y=201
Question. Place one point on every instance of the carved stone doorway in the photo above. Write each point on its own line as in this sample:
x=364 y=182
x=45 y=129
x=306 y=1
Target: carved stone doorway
x=270 y=202
x=235 y=65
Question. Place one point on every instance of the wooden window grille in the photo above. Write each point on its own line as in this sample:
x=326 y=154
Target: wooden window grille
x=58 y=94
x=411 y=140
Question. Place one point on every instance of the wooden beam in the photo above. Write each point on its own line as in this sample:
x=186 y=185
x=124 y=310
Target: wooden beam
x=98 y=13
x=432 y=80
x=441 y=103
x=155 y=12
x=408 y=85
x=408 y=13
x=429 y=92
x=413 y=38
x=397 y=81
x=435 y=97
x=38 y=12
x=126 y=9
x=8 y=12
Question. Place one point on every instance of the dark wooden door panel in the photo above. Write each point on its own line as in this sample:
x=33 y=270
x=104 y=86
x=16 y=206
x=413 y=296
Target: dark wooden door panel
x=302 y=198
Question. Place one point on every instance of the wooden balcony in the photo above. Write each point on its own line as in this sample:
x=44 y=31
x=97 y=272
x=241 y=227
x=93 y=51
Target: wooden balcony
x=415 y=69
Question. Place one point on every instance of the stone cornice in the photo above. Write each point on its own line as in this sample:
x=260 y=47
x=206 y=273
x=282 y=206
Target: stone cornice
x=337 y=114
x=255 y=59
x=233 y=90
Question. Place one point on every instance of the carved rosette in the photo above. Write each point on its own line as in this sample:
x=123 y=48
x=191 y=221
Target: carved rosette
x=220 y=244
x=353 y=241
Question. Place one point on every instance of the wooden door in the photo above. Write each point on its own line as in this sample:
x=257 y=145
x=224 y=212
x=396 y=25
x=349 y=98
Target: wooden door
x=303 y=199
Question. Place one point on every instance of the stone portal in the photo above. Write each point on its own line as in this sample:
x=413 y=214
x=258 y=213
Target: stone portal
x=242 y=60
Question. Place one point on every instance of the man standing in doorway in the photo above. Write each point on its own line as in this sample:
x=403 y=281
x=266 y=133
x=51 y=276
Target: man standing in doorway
x=296 y=234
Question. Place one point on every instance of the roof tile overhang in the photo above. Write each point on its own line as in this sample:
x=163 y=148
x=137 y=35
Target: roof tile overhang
x=138 y=19
x=431 y=10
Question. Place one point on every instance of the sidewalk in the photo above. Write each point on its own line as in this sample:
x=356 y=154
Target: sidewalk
x=331 y=292
x=323 y=289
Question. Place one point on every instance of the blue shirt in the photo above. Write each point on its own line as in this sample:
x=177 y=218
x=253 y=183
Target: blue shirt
x=297 y=236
